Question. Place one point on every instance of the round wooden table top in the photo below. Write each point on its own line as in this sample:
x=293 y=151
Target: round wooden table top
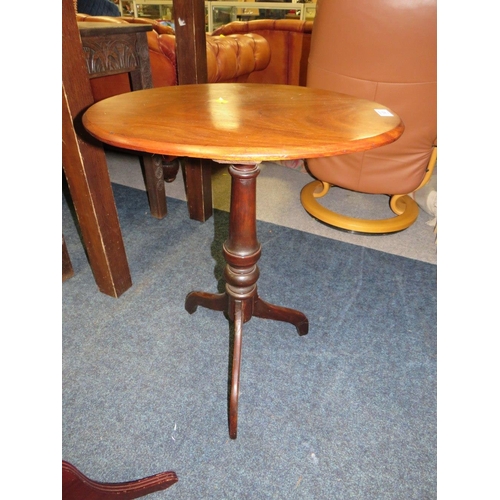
x=242 y=123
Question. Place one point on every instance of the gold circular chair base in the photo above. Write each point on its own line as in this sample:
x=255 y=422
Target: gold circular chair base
x=405 y=208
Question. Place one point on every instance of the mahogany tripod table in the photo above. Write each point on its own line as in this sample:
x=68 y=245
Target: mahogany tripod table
x=242 y=125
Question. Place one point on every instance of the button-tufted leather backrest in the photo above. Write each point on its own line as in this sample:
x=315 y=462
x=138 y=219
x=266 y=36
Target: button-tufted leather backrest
x=289 y=41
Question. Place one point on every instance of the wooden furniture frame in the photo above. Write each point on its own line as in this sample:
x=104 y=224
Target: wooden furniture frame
x=112 y=49
x=84 y=162
x=191 y=57
x=76 y=486
x=86 y=171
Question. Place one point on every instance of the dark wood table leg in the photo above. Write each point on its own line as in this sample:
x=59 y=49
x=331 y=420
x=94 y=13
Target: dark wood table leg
x=155 y=185
x=76 y=486
x=86 y=171
x=67 y=267
x=241 y=300
x=141 y=78
x=191 y=57
x=84 y=164
x=236 y=370
x=198 y=181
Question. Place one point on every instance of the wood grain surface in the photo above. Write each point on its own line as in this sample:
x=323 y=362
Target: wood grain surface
x=238 y=122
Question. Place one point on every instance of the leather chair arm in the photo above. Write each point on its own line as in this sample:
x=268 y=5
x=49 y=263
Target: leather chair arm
x=234 y=57
x=290 y=25
x=230 y=58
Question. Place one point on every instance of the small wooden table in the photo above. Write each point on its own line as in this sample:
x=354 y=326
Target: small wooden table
x=112 y=49
x=242 y=125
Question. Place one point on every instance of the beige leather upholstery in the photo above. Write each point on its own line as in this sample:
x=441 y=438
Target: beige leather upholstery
x=385 y=51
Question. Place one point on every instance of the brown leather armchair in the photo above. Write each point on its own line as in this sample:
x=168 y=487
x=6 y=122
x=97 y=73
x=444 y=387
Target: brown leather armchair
x=229 y=58
x=384 y=51
x=289 y=41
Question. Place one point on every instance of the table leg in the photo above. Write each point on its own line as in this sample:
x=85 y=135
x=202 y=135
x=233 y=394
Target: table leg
x=198 y=181
x=76 y=485
x=155 y=185
x=241 y=300
x=87 y=174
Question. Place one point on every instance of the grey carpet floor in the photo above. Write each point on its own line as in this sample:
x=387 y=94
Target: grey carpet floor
x=345 y=412
x=278 y=202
